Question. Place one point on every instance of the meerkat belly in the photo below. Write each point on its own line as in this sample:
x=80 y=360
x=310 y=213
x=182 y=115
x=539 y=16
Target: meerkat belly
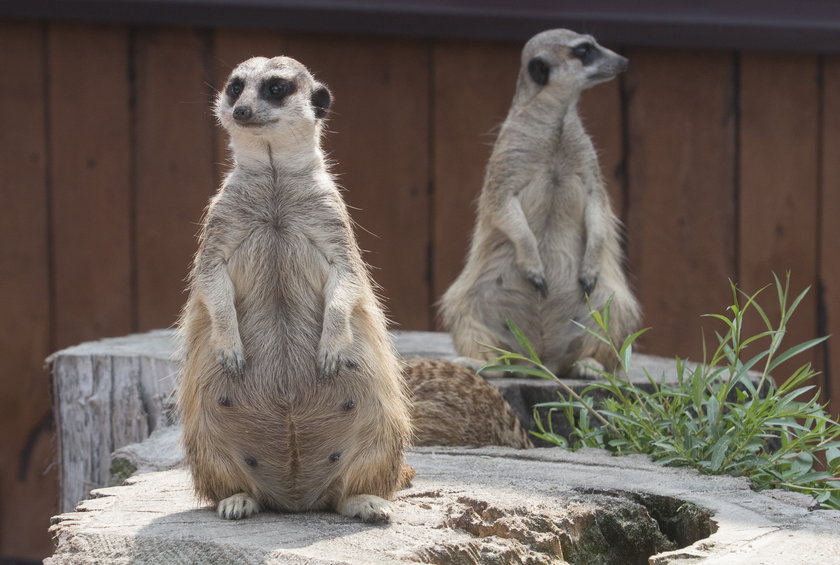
x=278 y=281
x=285 y=424
x=555 y=215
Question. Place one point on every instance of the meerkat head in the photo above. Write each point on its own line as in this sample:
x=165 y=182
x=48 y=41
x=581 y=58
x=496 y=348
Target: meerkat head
x=271 y=99
x=564 y=60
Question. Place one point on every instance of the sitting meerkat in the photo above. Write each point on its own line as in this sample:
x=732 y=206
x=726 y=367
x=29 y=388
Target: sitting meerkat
x=546 y=237
x=290 y=394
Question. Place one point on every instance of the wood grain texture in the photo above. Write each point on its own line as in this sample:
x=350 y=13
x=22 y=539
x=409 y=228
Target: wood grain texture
x=474 y=84
x=378 y=135
x=28 y=485
x=681 y=208
x=104 y=401
x=778 y=183
x=175 y=173
x=830 y=230
x=91 y=166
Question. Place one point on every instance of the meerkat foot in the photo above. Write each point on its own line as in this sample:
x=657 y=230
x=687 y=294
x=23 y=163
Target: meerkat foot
x=587 y=368
x=237 y=507
x=367 y=507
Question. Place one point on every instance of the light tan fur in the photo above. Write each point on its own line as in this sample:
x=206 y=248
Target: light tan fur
x=452 y=405
x=290 y=393
x=545 y=236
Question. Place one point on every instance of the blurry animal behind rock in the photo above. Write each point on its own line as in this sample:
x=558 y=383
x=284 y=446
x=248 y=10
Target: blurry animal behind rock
x=452 y=405
x=290 y=395
x=545 y=238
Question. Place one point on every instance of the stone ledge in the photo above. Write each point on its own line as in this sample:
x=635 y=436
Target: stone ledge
x=494 y=505
x=117 y=391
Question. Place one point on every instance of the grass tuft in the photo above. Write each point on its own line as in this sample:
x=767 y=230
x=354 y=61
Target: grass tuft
x=715 y=418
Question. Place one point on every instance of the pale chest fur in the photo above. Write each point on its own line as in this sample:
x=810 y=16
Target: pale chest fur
x=557 y=181
x=277 y=270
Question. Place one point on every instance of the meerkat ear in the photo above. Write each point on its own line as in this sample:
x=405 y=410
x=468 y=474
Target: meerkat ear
x=538 y=69
x=321 y=100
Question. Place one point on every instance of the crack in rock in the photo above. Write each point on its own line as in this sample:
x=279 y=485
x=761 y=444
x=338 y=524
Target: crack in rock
x=599 y=528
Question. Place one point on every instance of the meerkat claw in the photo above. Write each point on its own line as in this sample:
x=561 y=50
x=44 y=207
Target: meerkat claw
x=329 y=365
x=332 y=363
x=588 y=284
x=539 y=283
x=367 y=508
x=237 y=507
x=232 y=363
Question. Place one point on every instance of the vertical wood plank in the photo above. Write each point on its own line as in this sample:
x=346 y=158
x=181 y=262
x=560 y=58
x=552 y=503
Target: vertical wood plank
x=174 y=163
x=830 y=229
x=778 y=183
x=474 y=84
x=378 y=135
x=601 y=112
x=28 y=486
x=231 y=47
x=91 y=162
x=681 y=209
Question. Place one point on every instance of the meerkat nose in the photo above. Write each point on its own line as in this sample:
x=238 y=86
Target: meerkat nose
x=242 y=113
x=623 y=63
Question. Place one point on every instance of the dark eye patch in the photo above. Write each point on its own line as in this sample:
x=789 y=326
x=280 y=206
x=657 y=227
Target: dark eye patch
x=586 y=52
x=276 y=89
x=234 y=89
x=539 y=70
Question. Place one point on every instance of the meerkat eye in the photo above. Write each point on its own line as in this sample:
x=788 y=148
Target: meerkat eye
x=586 y=52
x=276 y=89
x=234 y=89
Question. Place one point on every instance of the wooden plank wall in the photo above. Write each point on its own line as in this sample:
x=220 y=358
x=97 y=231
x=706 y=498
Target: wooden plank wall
x=720 y=164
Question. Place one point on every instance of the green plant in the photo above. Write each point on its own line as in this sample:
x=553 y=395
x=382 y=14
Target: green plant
x=723 y=416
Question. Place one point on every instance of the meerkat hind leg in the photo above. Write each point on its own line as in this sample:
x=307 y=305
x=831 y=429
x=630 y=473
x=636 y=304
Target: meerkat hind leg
x=367 y=507
x=238 y=506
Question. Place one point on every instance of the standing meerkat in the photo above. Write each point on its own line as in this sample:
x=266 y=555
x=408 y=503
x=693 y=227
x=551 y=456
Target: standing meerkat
x=290 y=394
x=546 y=237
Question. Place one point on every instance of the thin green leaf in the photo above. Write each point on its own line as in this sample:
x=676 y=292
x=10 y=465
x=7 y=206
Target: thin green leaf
x=522 y=340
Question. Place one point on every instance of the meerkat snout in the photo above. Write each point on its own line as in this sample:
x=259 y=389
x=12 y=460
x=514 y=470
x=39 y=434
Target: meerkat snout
x=563 y=57
x=242 y=113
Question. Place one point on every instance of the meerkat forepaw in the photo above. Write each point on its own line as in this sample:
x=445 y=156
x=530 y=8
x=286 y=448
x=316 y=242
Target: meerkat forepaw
x=587 y=283
x=331 y=362
x=366 y=507
x=537 y=278
x=237 y=507
x=232 y=361
x=587 y=368
x=539 y=283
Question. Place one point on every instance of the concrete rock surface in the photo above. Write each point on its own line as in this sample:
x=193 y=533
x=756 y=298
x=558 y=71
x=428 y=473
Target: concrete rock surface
x=489 y=505
x=115 y=392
